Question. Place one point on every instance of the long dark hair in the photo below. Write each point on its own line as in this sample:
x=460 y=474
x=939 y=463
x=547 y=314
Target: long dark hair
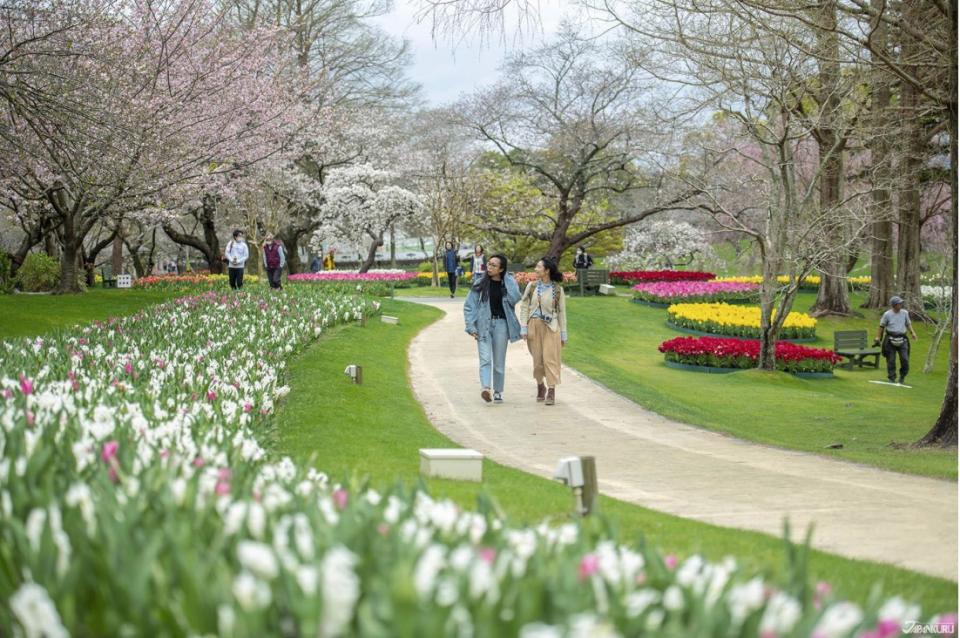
x=482 y=285
x=550 y=264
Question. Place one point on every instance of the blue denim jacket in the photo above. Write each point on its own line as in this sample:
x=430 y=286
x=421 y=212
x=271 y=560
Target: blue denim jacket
x=476 y=313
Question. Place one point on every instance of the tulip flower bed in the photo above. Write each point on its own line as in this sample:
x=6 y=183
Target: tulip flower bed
x=524 y=277
x=736 y=321
x=426 y=278
x=641 y=276
x=716 y=352
x=396 y=278
x=194 y=281
x=667 y=293
x=810 y=282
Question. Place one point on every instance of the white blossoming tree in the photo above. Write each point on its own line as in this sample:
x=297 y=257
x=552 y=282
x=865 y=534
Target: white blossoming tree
x=663 y=243
x=362 y=203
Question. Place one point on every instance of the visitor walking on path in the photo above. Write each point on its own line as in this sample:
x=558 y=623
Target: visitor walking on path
x=237 y=254
x=478 y=262
x=451 y=264
x=490 y=319
x=273 y=260
x=892 y=334
x=543 y=324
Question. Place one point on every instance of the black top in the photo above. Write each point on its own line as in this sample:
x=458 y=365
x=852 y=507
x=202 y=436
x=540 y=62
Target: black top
x=496 y=300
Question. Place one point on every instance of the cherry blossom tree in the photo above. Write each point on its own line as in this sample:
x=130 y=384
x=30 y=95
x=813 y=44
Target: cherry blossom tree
x=171 y=93
x=362 y=203
x=665 y=243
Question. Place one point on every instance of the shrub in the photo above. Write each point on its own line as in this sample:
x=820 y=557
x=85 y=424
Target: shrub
x=39 y=273
x=6 y=274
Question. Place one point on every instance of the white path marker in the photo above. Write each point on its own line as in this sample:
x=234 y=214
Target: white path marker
x=899 y=385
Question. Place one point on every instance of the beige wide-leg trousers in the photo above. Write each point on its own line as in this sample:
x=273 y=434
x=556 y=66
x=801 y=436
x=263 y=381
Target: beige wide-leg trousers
x=544 y=345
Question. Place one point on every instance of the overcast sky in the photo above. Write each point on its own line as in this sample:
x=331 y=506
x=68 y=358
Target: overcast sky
x=445 y=71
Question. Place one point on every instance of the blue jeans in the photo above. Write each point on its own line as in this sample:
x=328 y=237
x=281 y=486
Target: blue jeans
x=492 y=348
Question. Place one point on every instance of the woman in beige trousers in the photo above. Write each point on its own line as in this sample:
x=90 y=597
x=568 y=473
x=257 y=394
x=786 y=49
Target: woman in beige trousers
x=543 y=325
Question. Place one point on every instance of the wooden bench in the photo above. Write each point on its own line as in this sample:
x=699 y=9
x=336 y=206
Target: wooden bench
x=589 y=280
x=109 y=281
x=852 y=345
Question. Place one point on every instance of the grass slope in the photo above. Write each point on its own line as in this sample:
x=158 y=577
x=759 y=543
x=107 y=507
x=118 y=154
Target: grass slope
x=29 y=315
x=615 y=342
x=374 y=431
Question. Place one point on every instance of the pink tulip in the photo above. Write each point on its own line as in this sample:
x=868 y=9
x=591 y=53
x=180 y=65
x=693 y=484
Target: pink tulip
x=340 y=498
x=199 y=462
x=211 y=396
x=109 y=451
x=487 y=555
x=26 y=385
x=128 y=368
x=7 y=393
x=589 y=565
x=670 y=561
x=247 y=407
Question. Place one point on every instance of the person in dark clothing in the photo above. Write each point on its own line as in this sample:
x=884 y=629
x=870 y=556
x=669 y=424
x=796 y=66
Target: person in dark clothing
x=451 y=264
x=583 y=259
x=315 y=264
x=273 y=260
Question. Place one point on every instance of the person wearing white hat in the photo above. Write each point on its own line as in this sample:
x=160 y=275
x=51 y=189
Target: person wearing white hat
x=892 y=334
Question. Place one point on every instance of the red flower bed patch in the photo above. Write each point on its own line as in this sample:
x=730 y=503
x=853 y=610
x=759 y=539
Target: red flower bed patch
x=716 y=352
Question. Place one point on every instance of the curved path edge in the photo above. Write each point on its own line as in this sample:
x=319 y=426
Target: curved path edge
x=644 y=458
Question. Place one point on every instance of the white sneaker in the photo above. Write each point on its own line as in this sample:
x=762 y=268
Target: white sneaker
x=497 y=397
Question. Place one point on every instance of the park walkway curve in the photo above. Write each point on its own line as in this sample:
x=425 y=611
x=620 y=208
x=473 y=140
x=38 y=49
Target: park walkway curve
x=646 y=459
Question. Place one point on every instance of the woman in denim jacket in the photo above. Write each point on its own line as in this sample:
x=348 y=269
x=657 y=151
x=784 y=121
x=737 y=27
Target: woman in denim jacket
x=490 y=319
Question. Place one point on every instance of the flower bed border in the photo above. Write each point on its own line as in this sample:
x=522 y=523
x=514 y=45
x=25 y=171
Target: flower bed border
x=711 y=370
x=701 y=333
x=654 y=304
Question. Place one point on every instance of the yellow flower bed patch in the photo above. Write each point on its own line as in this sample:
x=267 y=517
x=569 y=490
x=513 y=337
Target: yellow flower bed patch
x=736 y=320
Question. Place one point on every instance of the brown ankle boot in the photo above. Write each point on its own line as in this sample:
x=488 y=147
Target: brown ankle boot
x=541 y=391
x=551 y=397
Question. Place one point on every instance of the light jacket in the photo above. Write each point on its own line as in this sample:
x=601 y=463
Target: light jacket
x=529 y=301
x=237 y=253
x=476 y=312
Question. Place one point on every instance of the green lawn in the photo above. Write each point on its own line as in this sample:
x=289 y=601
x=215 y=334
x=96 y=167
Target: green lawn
x=374 y=431
x=28 y=315
x=427 y=291
x=615 y=342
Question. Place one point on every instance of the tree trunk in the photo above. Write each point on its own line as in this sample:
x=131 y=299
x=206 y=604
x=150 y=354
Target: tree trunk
x=292 y=248
x=375 y=243
x=68 y=257
x=881 y=229
x=911 y=166
x=50 y=244
x=944 y=430
x=189 y=240
x=832 y=296
x=208 y=220
x=768 y=293
x=116 y=258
